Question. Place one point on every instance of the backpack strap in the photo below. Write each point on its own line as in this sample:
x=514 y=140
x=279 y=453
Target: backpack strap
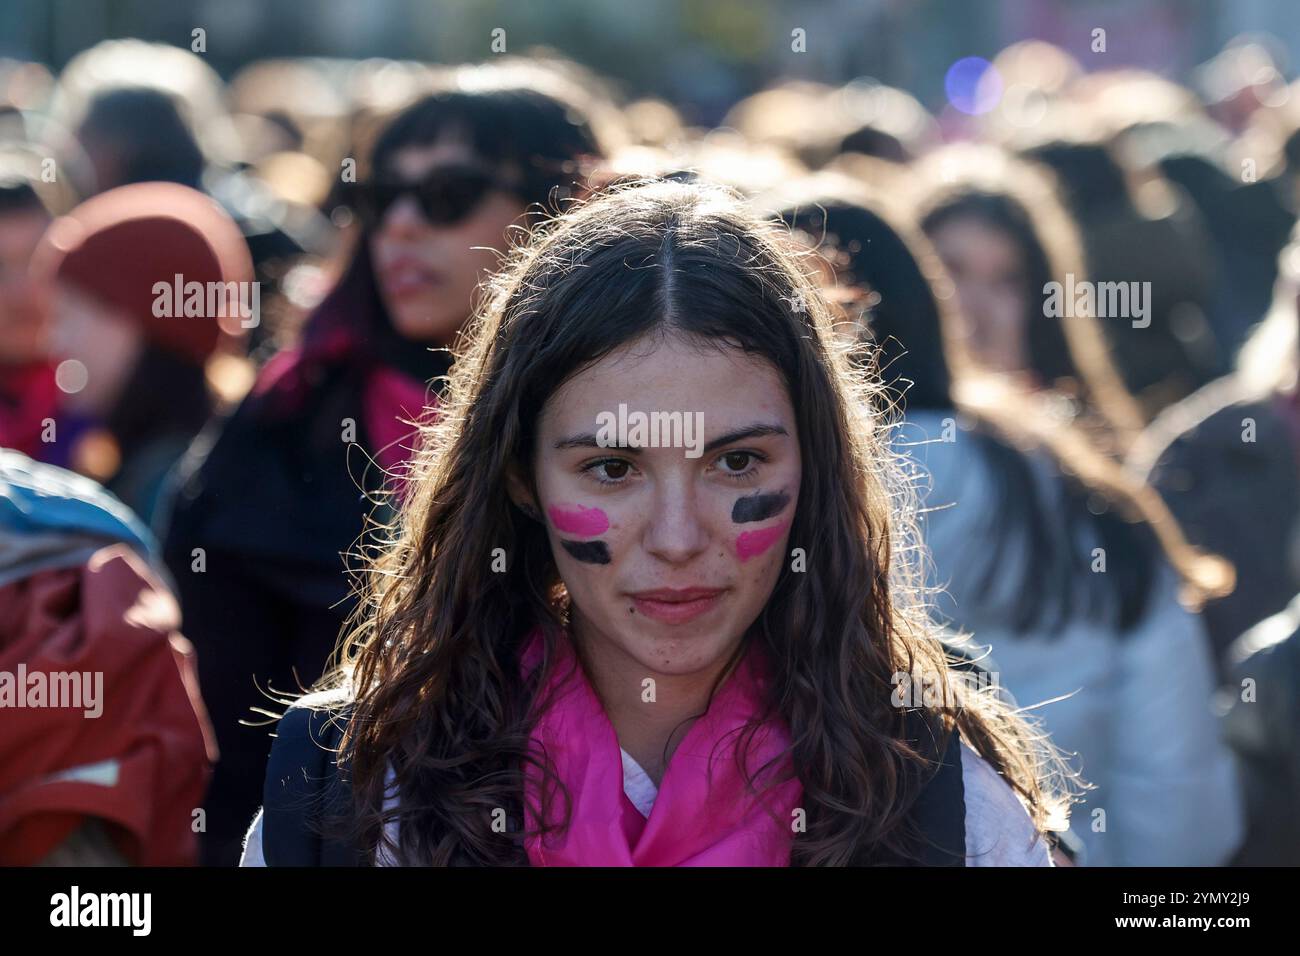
x=304 y=789
x=939 y=814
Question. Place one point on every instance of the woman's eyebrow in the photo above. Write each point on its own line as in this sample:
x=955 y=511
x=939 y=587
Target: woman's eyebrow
x=589 y=441
x=757 y=430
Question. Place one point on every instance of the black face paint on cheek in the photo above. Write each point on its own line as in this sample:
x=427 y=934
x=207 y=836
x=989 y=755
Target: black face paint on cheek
x=759 y=507
x=592 y=552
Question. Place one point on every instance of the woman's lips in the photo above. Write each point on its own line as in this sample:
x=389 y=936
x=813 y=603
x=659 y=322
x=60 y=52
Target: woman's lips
x=676 y=606
x=407 y=277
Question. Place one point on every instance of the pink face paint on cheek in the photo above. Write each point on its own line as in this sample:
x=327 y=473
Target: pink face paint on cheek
x=750 y=544
x=575 y=519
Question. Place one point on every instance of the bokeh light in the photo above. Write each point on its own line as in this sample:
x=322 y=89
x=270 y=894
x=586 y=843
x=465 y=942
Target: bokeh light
x=973 y=85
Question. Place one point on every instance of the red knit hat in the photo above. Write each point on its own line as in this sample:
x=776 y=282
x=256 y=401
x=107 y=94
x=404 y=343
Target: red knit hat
x=117 y=246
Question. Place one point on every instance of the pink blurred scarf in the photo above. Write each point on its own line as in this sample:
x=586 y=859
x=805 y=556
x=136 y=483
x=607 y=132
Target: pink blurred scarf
x=392 y=401
x=29 y=398
x=698 y=819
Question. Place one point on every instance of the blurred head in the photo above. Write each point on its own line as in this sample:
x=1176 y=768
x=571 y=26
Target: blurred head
x=24 y=326
x=788 y=116
x=145 y=112
x=137 y=135
x=724 y=158
x=883 y=122
x=1003 y=234
x=449 y=176
x=816 y=123
x=1241 y=78
x=1000 y=227
x=1093 y=183
x=114 y=263
x=989 y=248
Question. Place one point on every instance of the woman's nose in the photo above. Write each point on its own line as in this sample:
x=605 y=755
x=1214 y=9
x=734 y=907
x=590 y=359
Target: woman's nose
x=403 y=218
x=677 y=530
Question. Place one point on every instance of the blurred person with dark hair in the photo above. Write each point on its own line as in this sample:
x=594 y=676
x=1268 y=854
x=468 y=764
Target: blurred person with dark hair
x=1248 y=192
x=28 y=393
x=1237 y=216
x=137 y=135
x=1018 y=508
x=151 y=112
x=723 y=159
x=1227 y=460
x=817 y=123
x=144 y=112
x=883 y=122
x=1149 y=231
x=277 y=494
x=1004 y=237
x=131 y=340
x=108 y=766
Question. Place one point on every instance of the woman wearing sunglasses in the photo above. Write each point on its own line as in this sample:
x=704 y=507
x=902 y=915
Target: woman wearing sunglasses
x=270 y=499
x=593 y=648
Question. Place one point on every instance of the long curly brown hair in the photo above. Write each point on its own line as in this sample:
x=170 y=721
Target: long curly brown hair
x=440 y=712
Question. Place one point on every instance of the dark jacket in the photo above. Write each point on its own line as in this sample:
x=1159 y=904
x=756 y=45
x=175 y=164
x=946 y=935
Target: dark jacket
x=262 y=512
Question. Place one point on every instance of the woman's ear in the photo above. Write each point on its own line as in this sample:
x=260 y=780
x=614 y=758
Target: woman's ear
x=520 y=492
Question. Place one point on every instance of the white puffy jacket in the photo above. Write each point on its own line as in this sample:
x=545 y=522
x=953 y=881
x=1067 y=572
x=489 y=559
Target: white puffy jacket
x=1141 y=716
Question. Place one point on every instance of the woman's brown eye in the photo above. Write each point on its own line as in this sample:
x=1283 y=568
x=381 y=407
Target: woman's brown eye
x=736 y=460
x=615 y=469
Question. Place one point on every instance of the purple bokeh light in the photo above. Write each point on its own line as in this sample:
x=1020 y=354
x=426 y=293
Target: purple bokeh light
x=972 y=85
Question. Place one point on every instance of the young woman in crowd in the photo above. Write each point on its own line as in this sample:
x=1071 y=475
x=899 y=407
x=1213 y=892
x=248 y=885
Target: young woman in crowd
x=1041 y=549
x=132 y=341
x=272 y=497
x=1004 y=235
x=595 y=648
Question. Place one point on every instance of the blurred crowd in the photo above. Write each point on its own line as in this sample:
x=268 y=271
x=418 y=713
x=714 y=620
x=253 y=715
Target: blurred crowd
x=224 y=303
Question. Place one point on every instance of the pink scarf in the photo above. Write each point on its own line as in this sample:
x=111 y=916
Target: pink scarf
x=28 y=398
x=698 y=819
x=392 y=401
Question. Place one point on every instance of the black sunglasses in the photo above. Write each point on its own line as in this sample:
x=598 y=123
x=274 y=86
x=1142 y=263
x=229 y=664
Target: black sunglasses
x=446 y=195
